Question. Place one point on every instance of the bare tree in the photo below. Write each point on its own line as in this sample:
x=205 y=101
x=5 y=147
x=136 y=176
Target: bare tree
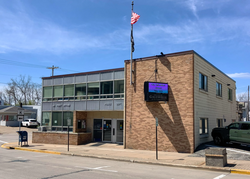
x=242 y=97
x=23 y=90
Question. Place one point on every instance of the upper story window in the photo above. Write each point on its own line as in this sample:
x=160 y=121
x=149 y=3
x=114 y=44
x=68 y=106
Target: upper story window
x=218 y=89
x=107 y=87
x=230 y=94
x=80 y=89
x=58 y=91
x=202 y=82
x=69 y=90
x=47 y=92
x=93 y=88
x=119 y=86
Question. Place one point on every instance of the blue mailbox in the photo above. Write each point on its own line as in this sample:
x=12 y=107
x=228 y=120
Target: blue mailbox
x=23 y=137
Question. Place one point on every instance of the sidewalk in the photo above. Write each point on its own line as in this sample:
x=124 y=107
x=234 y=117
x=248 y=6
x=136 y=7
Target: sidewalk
x=116 y=152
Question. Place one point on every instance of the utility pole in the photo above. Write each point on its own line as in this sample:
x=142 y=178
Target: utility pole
x=52 y=69
x=248 y=105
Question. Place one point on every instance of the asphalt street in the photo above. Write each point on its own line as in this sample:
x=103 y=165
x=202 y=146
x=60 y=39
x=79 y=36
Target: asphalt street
x=23 y=164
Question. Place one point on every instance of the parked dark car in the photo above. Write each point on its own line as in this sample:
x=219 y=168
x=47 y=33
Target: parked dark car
x=237 y=132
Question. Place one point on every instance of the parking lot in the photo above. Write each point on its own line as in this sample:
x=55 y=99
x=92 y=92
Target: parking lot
x=234 y=151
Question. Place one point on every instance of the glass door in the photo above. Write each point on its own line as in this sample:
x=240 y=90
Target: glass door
x=119 y=131
x=107 y=130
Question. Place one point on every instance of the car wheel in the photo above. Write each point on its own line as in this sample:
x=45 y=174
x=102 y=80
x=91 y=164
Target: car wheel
x=218 y=140
x=27 y=125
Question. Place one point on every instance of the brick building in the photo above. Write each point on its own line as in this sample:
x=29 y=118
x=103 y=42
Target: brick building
x=201 y=97
x=103 y=106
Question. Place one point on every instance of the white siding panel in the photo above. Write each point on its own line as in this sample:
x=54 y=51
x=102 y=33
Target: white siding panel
x=207 y=105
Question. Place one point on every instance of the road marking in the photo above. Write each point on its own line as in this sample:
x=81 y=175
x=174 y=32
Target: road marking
x=98 y=168
x=231 y=150
x=238 y=151
x=221 y=176
x=3 y=141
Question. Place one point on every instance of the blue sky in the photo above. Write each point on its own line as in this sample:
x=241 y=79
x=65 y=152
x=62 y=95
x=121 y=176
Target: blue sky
x=89 y=35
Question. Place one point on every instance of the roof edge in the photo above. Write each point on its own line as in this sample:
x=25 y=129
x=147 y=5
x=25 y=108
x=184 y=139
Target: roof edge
x=213 y=66
x=84 y=73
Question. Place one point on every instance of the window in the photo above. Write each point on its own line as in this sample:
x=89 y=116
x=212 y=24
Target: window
x=203 y=126
x=218 y=89
x=107 y=87
x=47 y=92
x=234 y=126
x=230 y=94
x=202 y=82
x=119 y=86
x=66 y=116
x=219 y=122
x=56 y=118
x=46 y=120
x=80 y=89
x=93 y=88
x=69 y=90
x=245 y=126
x=58 y=91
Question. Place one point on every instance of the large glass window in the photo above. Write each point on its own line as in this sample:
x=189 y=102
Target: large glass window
x=46 y=120
x=202 y=82
x=56 y=118
x=69 y=90
x=47 y=92
x=203 y=126
x=58 y=91
x=218 y=89
x=93 y=88
x=80 y=89
x=66 y=116
x=230 y=94
x=107 y=87
x=119 y=86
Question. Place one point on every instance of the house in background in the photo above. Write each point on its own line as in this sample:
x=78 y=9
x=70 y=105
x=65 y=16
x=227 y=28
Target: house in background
x=8 y=115
x=244 y=105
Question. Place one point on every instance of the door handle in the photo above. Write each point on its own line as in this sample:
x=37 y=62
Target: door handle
x=113 y=131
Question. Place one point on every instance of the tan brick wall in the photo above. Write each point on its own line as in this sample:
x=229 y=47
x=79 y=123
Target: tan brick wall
x=61 y=138
x=207 y=104
x=175 y=130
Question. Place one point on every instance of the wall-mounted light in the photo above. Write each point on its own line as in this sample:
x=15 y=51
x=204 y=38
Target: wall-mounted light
x=228 y=84
x=213 y=75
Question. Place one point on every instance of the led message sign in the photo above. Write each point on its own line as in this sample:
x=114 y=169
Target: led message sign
x=155 y=91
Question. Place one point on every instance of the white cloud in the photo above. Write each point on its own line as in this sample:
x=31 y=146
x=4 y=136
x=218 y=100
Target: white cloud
x=204 y=30
x=198 y=5
x=20 y=32
x=239 y=75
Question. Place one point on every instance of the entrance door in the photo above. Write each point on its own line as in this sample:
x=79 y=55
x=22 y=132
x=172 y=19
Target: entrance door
x=119 y=130
x=107 y=129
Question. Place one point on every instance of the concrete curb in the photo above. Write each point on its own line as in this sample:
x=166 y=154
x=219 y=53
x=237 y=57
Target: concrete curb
x=150 y=162
x=31 y=150
x=238 y=171
x=235 y=171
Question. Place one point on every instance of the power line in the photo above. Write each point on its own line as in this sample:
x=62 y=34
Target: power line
x=23 y=64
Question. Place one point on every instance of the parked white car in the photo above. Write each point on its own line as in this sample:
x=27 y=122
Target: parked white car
x=29 y=123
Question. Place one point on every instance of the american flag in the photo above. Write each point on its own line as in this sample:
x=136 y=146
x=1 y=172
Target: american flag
x=134 y=17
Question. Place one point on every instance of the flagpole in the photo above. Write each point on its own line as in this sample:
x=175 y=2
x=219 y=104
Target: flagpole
x=131 y=60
